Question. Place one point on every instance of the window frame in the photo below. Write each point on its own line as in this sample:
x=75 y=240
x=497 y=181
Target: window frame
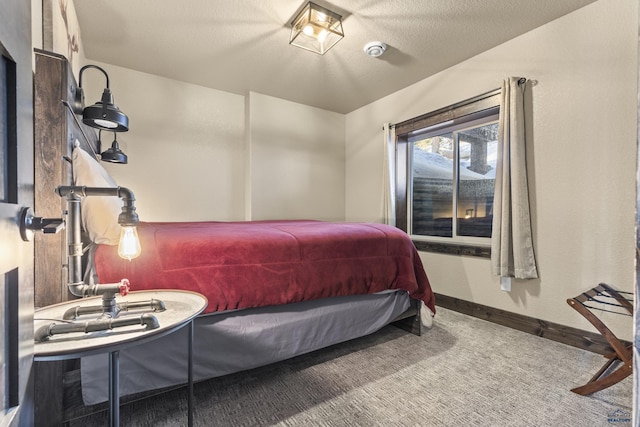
x=462 y=113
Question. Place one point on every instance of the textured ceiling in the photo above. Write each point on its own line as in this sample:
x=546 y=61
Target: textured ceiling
x=242 y=45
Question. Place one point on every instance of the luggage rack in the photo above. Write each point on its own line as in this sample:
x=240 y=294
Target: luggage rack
x=604 y=298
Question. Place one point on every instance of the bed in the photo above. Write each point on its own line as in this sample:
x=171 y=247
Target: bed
x=239 y=265
x=276 y=289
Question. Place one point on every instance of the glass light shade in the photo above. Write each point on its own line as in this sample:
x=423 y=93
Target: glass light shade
x=129 y=246
x=316 y=29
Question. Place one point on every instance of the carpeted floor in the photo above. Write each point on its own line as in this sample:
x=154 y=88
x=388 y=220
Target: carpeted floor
x=462 y=372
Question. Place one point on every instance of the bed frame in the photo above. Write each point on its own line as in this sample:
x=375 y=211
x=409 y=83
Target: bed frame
x=56 y=130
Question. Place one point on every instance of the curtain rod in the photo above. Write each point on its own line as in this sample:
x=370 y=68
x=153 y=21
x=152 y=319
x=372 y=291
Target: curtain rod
x=521 y=81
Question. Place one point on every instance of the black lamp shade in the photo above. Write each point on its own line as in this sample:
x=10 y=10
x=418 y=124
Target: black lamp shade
x=114 y=154
x=105 y=115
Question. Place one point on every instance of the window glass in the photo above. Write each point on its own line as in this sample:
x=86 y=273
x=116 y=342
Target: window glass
x=453 y=166
x=432 y=185
x=477 y=148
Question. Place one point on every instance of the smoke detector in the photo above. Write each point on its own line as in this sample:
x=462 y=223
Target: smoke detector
x=375 y=49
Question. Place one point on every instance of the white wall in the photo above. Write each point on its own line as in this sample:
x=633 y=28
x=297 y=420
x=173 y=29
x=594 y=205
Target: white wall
x=196 y=154
x=200 y=154
x=36 y=26
x=296 y=160
x=185 y=145
x=193 y=155
x=582 y=164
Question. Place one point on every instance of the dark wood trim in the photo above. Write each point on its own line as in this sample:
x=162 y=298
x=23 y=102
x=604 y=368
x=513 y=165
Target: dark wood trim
x=453 y=249
x=476 y=104
x=585 y=340
x=50 y=145
x=55 y=132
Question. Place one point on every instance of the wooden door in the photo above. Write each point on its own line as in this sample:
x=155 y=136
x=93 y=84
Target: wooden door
x=16 y=191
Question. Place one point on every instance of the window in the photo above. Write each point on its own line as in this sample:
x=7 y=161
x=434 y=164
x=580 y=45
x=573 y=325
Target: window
x=446 y=162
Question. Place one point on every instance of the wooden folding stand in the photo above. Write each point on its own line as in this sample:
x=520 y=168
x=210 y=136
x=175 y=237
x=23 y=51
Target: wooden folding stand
x=605 y=298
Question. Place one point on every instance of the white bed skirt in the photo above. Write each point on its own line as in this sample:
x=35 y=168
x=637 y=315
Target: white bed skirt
x=233 y=341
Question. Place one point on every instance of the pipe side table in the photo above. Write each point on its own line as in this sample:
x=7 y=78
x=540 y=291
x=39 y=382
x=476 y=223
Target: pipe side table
x=181 y=308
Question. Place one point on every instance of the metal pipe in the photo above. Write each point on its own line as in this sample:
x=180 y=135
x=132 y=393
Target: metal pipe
x=75 y=312
x=127 y=217
x=100 y=324
x=74 y=242
x=154 y=304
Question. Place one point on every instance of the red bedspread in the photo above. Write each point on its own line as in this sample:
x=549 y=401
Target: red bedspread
x=260 y=263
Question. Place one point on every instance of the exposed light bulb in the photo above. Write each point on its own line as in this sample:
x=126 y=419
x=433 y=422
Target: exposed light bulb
x=129 y=246
x=308 y=30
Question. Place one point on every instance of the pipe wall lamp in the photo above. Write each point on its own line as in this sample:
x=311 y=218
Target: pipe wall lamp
x=128 y=248
x=113 y=154
x=129 y=245
x=104 y=114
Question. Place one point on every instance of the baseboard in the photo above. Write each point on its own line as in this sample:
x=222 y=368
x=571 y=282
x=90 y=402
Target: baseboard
x=585 y=340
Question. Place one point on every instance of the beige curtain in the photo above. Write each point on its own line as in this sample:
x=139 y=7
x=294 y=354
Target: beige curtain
x=512 y=252
x=389 y=175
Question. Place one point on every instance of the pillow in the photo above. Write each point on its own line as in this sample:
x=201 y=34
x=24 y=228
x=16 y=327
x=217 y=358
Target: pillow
x=99 y=213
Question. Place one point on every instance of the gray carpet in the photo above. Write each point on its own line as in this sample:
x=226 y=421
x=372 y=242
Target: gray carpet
x=462 y=372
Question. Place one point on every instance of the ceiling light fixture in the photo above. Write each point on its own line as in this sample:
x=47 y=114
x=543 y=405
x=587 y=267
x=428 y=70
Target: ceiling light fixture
x=316 y=29
x=375 y=49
